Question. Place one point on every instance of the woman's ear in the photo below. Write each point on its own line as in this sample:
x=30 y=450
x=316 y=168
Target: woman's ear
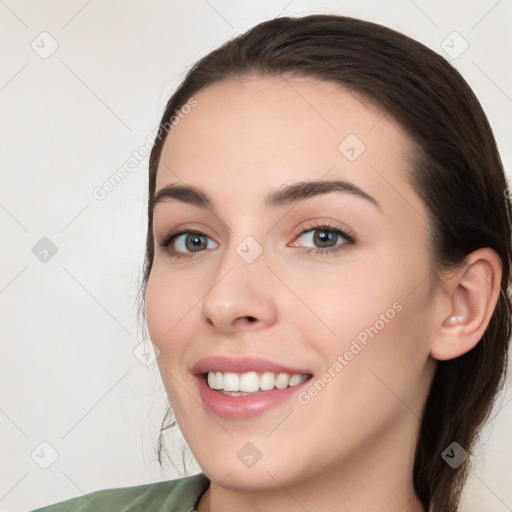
x=472 y=294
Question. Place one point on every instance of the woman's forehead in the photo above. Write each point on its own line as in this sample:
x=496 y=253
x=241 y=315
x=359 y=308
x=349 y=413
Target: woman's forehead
x=257 y=134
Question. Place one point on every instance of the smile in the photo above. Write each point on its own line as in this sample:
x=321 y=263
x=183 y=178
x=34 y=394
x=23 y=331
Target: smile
x=235 y=384
x=245 y=387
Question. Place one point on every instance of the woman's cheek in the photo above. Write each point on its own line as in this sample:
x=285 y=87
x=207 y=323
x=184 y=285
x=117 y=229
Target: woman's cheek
x=162 y=310
x=167 y=301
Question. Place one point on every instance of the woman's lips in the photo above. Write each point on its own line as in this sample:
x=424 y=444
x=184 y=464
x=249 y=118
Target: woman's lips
x=243 y=365
x=243 y=407
x=249 y=405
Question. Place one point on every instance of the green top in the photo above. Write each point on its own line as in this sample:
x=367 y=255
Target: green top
x=180 y=495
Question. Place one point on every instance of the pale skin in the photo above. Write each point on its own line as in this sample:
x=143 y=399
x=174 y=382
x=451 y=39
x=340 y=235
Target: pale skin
x=351 y=448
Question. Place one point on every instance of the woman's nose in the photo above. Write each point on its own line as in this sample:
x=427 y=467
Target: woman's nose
x=241 y=293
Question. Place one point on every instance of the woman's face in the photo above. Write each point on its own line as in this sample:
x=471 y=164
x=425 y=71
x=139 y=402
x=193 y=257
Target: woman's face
x=304 y=254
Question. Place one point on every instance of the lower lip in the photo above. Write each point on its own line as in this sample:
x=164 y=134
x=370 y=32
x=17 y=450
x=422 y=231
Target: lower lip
x=244 y=407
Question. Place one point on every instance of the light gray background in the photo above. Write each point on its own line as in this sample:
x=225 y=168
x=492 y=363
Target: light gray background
x=68 y=121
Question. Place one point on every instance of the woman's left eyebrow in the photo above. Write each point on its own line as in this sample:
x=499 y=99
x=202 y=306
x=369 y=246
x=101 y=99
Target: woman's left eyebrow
x=284 y=195
x=290 y=194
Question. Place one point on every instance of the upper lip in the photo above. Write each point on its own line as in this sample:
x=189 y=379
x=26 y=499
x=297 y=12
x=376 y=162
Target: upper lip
x=243 y=365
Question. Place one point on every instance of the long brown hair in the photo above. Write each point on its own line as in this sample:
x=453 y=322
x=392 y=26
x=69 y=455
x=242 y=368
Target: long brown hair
x=457 y=173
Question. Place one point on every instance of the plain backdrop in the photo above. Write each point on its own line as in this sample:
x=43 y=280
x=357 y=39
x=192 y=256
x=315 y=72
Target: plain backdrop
x=82 y=86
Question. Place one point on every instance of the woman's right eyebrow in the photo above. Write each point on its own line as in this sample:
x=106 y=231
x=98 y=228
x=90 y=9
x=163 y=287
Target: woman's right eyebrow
x=282 y=196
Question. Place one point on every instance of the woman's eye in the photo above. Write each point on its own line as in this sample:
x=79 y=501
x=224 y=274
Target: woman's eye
x=321 y=239
x=189 y=242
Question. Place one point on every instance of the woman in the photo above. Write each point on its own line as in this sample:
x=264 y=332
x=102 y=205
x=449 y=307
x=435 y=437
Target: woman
x=326 y=276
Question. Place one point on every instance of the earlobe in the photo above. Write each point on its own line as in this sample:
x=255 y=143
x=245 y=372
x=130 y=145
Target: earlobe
x=474 y=292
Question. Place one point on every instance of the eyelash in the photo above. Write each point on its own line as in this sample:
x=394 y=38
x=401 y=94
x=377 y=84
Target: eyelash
x=348 y=240
x=326 y=226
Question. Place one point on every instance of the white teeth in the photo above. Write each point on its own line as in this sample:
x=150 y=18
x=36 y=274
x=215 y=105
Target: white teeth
x=282 y=381
x=295 y=380
x=211 y=379
x=267 y=381
x=215 y=380
x=250 y=382
x=231 y=382
x=219 y=380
